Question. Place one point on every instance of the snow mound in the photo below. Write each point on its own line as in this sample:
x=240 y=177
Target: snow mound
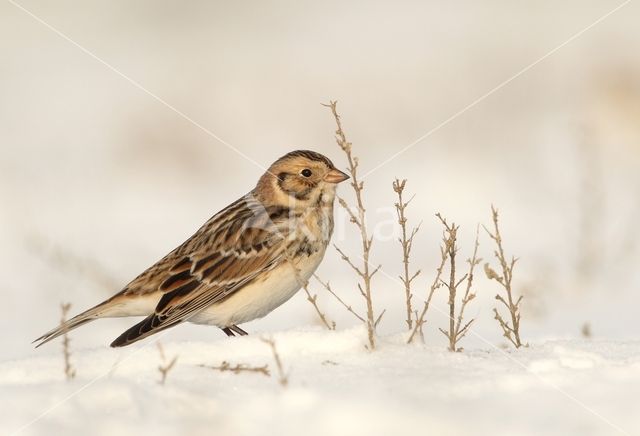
x=335 y=387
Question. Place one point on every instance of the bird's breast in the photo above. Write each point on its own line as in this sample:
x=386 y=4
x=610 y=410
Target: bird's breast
x=317 y=225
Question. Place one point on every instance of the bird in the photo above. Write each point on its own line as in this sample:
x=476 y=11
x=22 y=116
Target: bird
x=244 y=262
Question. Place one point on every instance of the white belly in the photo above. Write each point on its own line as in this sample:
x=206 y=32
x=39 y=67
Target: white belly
x=261 y=297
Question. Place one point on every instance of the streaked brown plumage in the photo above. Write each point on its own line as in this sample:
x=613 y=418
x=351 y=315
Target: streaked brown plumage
x=242 y=263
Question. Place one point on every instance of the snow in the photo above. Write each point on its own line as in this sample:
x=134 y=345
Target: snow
x=336 y=386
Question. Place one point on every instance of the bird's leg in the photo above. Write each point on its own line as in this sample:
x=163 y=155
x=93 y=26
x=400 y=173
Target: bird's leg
x=228 y=331
x=238 y=330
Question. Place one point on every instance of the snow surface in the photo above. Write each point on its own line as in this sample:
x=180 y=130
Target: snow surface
x=336 y=386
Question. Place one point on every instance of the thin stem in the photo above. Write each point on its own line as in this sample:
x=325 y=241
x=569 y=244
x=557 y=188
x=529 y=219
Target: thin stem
x=511 y=331
x=460 y=330
x=360 y=222
x=283 y=378
x=69 y=371
x=239 y=368
x=327 y=286
x=444 y=255
x=406 y=241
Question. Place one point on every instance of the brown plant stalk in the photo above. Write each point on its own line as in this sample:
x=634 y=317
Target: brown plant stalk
x=165 y=366
x=456 y=329
x=313 y=299
x=283 y=378
x=69 y=370
x=444 y=255
x=511 y=331
x=359 y=219
x=327 y=286
x=239 y=368
x=406 y=241
x=461 y=330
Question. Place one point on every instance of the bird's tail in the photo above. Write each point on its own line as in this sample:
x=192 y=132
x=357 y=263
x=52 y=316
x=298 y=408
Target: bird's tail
x=78 y=320
x=147 y=327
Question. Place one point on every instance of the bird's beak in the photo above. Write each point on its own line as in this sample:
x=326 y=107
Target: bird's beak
x=335 y=176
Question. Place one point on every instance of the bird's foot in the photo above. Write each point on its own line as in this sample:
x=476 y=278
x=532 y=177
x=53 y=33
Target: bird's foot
x=233 y=329
x=238 y=330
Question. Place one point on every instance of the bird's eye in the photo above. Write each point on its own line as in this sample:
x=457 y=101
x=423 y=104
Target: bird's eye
x=306 y=172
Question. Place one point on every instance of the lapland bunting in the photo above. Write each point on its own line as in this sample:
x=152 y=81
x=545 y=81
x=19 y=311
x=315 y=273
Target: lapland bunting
x=244 y=262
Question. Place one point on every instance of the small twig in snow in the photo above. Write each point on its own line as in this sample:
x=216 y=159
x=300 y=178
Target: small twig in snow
x=69 y=370
x=283 y=378
x=165 y=366
x=444 y=255
x=406 y=242
x=239 y=368
x=456 y=329
x=511 y=331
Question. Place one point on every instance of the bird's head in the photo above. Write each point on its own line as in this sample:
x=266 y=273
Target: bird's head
x=300 y=179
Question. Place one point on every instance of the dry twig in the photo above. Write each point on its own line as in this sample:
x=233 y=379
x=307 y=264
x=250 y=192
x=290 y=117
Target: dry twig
x=447 y=242
x=238 y=368
x=460 y=332
x=358 y=218
x=327 y=286
x=511 y=331
x=406 y=241
x=283 y=378
x=165 y=366
x=69 y=370
x=456 y=329
x=313 y=299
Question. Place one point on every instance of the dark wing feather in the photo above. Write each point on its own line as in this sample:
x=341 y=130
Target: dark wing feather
x=182 y=303
x=241 y=243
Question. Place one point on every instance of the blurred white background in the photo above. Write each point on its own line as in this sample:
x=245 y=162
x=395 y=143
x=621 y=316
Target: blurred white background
x=98 y=179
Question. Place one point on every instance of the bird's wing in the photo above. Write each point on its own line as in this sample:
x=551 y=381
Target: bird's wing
x=231 y=250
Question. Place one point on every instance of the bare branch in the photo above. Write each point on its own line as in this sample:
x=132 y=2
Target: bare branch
x=327 y=286
x=165 y=366
x=453 y=250
x=313 y=299
x=460 y=281
x=69 y=370
x=360 y=221
x=511 y=331
x=463 y=331
x=444 y=255
x=352 y=217
x=361 y=290
x=459 y=332
x=346 y=259
x=416 y=274
x=449 y=250
x=283 y=378
x=406 y=243
x=239 y=368
x=379 y=317
x=375 y=271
